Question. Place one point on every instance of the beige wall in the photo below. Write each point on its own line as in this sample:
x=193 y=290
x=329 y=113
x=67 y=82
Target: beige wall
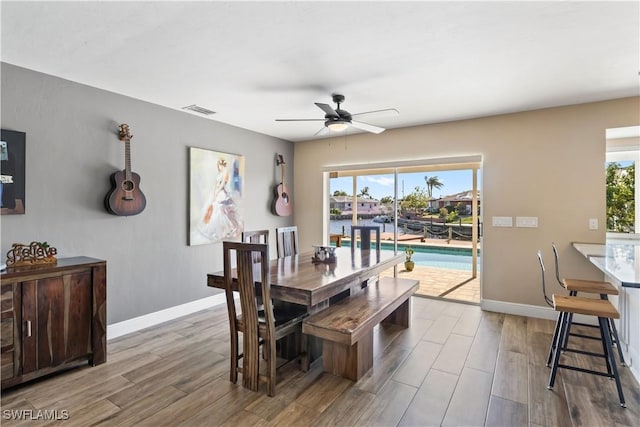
x=546 y=163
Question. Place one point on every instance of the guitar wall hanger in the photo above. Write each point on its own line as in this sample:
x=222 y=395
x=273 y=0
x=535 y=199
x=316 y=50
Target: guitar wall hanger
x=125 y=197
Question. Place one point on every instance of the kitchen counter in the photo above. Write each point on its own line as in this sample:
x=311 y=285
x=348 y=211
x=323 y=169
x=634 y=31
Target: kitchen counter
x=619 y=259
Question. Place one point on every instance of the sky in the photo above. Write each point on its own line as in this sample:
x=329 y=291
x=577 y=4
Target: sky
x=382 y=185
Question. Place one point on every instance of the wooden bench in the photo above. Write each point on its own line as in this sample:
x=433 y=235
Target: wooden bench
x=346 y=327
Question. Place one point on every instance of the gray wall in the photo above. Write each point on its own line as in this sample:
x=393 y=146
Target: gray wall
x=72 y=148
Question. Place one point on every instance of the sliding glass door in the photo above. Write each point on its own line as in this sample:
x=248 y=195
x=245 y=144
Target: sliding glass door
x=433 y=209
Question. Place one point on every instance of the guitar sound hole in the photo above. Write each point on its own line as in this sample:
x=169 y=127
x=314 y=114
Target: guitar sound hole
x=127 y=185
x=285 y=197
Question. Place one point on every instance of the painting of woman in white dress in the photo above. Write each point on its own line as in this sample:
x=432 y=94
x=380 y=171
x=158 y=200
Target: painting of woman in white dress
x=216 y=196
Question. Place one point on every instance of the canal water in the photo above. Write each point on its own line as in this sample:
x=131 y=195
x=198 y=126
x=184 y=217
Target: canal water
x=336 y=226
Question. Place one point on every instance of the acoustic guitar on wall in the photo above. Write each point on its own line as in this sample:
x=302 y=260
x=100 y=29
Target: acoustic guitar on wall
x=282 y=205
x=125 y=197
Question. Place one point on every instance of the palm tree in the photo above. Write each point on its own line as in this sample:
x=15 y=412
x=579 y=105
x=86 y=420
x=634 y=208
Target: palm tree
x=432 y=182
x=364 y=193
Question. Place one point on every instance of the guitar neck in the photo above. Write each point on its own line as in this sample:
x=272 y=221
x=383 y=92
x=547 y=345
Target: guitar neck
x=282 y=173
x=127 y=159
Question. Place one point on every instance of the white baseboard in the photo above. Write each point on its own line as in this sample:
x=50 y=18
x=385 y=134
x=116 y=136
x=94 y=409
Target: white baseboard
x=531 y=311
x=137 y=323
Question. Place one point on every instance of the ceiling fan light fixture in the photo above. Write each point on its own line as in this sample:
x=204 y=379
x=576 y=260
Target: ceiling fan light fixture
x=338 y=125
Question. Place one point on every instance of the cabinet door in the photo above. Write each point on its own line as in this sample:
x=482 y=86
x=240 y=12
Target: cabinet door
x=57 y=314
x=9 y=330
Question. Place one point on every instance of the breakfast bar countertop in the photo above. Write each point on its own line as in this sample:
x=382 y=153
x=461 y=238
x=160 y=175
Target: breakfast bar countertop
x=619 y=258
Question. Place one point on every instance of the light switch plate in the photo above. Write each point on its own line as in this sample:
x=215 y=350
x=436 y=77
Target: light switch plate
x=593 y=224
x=527 y=221
x=502 y=221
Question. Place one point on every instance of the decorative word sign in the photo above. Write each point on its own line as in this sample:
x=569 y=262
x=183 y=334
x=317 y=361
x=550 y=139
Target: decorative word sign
x=34 y=254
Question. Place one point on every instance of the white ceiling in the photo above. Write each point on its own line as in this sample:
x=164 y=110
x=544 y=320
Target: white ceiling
x=254 y=62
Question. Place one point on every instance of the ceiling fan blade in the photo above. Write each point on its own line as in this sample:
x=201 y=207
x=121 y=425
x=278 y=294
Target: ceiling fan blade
x=322 y=130
x=327 y=109
x=367 y=127
x=389 y=111
x=300 y=120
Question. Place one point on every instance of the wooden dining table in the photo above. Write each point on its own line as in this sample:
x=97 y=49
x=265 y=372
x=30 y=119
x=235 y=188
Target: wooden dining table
x=297 y=279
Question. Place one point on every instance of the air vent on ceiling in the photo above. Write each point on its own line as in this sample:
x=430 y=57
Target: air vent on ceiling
x=197 y=109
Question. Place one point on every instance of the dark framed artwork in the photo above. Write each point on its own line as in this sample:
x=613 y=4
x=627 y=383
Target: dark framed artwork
x=216 y=208
x=12 y=172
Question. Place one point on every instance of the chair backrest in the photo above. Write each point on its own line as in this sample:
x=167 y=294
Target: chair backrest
x=287 y=241
x=248 y=275
x=548 y=300
x=365 y=232
x=557 y=259
x=256 y=236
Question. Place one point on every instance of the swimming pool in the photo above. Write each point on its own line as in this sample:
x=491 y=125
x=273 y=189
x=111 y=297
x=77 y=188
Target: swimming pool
x=452 y=258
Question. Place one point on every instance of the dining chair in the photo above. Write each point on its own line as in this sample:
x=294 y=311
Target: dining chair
x=601 y=288
x=365 y=232
x=260 y=327
x=255 y=236
x=287 y=241
x=603 y=310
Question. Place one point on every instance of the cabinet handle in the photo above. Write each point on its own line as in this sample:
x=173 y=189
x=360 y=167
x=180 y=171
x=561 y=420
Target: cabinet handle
x=28 y=328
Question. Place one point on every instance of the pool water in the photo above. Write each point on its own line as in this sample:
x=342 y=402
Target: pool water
x=451 y=258
x=440 y=260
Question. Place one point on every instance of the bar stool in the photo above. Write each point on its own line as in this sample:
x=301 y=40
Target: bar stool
x=569 y=305
x=591 y=287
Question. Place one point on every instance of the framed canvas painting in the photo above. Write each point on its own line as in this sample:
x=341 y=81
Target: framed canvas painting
x=216 y=210
x=12 y=172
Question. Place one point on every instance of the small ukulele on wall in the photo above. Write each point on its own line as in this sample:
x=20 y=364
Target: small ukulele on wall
x=125 y=197
x=282 y=205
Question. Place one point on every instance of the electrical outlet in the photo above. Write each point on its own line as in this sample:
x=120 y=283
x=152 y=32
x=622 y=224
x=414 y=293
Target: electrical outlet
x=593 y=224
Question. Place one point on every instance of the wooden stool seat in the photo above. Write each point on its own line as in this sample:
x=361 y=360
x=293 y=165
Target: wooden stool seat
x=589 y=286
x=586 y=306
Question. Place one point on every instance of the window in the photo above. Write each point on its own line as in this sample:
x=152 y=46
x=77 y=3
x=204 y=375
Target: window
x=622 y=158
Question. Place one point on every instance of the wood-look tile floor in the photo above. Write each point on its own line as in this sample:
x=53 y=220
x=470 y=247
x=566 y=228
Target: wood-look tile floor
x=455 y=366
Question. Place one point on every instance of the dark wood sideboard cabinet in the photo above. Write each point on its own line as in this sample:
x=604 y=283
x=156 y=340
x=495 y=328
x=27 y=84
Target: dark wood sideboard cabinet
x=53 y=317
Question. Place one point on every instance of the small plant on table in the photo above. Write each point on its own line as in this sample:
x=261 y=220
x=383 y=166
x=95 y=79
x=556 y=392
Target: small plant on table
x=408 y=262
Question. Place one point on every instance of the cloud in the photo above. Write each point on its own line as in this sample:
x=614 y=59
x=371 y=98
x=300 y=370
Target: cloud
x=381 y=180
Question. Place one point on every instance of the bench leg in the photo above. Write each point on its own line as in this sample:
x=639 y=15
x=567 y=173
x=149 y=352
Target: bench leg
x=400 y=316
x=350 y=362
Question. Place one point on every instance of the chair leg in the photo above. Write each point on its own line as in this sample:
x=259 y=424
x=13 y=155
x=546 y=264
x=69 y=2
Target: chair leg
x=616 y=340
x=304 y=351
x=606 y=337
x=614 y=334
x=565 y=341
x=552 y=346
x=271 y=367
x=558 y=349
x=233 y=374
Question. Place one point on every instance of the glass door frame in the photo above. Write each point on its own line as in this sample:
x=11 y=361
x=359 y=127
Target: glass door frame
x=473 y=163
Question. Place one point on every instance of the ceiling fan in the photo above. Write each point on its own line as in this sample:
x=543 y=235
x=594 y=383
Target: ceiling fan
x=337 y=120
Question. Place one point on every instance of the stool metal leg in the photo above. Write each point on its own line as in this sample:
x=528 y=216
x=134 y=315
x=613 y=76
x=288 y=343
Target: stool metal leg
x=606 y=337
x=614 y=333
x=556 y=331
x=557 y=350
